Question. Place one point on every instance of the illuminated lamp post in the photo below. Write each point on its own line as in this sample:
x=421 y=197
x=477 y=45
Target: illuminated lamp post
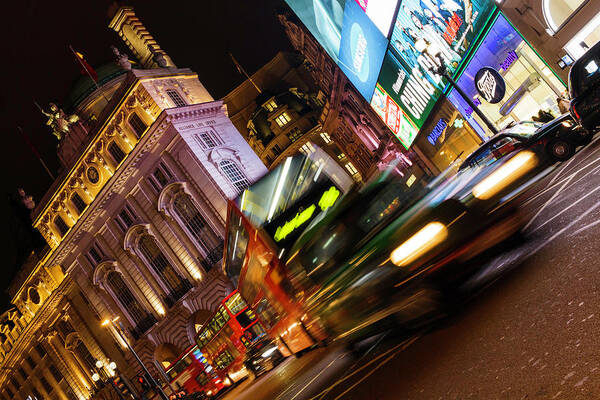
x=424 y=47
x=153 y=382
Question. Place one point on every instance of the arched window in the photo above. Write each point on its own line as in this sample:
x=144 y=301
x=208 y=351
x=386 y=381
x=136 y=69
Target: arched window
x=190 y=216
x=234 y=174
x=556 y=12
x=125 y=297
x=160 y=264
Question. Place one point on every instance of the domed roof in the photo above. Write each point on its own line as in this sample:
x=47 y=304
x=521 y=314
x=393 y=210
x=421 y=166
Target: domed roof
x=84 y=85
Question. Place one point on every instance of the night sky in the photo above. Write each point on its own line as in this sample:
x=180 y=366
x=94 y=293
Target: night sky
x=38 y=66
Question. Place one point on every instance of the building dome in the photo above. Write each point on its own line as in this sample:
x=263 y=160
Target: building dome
x=85 y=86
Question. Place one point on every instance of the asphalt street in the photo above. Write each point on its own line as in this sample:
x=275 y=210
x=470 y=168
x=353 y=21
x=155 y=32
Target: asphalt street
x=531 y=334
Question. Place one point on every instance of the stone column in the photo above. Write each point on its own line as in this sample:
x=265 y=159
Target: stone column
x=67 y=365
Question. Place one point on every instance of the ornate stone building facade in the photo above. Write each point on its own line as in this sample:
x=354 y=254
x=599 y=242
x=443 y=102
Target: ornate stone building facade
x=134 y=227
x=278 y=110
x=346 y=116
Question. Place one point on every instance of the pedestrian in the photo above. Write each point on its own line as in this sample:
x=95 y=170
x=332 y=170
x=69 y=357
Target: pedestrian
x=563 y=104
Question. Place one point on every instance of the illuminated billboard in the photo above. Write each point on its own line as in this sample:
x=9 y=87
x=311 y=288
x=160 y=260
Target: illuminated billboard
x=323 y=18
x=414 y=91
x=448 y=26
x=381 y=12
x=394 y=117
x=362 y=49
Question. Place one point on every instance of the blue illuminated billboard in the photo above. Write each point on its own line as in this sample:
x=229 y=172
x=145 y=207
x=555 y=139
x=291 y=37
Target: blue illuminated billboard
x=392 y=75
x=362 y=49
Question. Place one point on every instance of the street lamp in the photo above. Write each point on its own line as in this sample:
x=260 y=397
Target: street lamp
x=153 y=382
x=423 y=46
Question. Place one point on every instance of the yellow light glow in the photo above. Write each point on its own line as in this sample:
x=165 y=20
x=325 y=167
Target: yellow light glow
x=508 y=173
x=105 y=322
x=418 y=244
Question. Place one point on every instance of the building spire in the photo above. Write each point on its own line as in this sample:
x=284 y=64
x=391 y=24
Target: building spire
x=141 y=43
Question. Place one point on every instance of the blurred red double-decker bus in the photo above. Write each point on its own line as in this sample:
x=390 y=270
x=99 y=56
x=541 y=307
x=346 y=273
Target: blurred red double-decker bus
x=225 y=337
x=262 y=225
x=192 y=372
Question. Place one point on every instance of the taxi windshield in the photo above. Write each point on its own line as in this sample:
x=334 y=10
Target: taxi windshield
x=524 y=129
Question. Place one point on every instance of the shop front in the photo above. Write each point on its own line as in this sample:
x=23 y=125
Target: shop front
x=505 y=60
x=509 y=83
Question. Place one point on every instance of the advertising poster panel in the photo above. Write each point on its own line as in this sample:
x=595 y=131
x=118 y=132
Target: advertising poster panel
x=348 y=35
x=323 y=18
x=449 y=27
x=362 y=49
x=381 y=12
x=394 y=117
x=413 y=91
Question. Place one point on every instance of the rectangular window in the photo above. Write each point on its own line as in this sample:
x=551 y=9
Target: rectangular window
x=295 y=134
x=307 y=148
x=116 y=152
x=22 y=373
x=15 y=384
x=174 y=95
x=276 y=150
x=10 y=393
x=62 y=226
x=45 y=384
x=126 y=218
x=36 y=393
x=138 y=126
x=270 y=105
x=351 y=168
x=95 y=255
x=39 y=349
x=30 y=362
x=154 y=185
x=283 y=119
x=326 y=138
x=56 y=374
x=78 y=203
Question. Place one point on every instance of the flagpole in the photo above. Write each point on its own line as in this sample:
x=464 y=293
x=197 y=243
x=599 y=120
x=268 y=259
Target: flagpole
x=35 y=152
x=243 y=72
x=87 y=71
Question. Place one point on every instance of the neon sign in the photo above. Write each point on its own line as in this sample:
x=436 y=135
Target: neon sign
x=327 y=200
x=438 y=130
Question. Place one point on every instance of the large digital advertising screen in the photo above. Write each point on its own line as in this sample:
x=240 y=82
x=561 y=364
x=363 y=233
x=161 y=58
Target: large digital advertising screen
x=362 y=49
x=381 y=12
x=449 y=27
x=348 y=35
x=394 y=117
x=392 y=74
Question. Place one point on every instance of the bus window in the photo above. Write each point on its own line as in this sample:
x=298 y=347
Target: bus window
x=235 y=304
x=179 y=367
x=237 y=242
x=246 y=318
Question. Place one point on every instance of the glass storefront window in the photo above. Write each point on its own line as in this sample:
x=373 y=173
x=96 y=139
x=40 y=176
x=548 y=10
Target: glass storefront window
x=531 y=87
x=587 y=37
x=448 y=137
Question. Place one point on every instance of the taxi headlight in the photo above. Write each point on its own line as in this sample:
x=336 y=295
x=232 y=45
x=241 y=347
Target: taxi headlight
x=418 y=244
x=508 y=173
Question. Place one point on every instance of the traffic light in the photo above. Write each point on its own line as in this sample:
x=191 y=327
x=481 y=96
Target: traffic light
x=144 y=384
x=121 y=387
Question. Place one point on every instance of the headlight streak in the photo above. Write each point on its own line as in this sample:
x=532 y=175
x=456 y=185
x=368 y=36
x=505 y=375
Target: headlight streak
x=512 y=170
x=418 y=244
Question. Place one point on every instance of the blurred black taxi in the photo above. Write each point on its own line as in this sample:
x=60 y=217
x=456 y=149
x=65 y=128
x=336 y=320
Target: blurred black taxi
x=391 y=254
x=558 y=139
x=584 y=89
